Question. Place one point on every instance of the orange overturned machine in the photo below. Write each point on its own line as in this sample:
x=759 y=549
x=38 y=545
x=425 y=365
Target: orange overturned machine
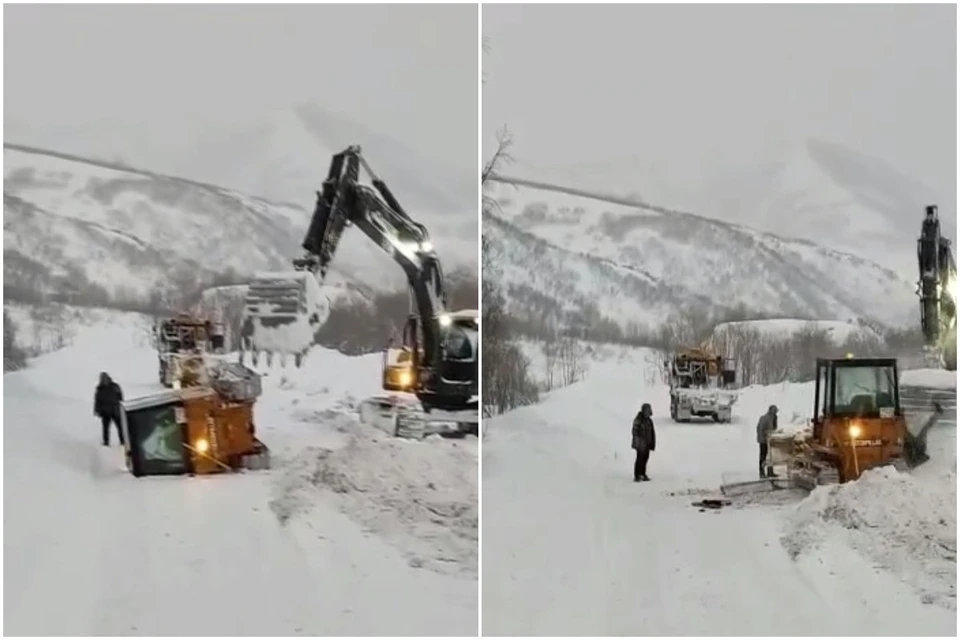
x=197 y=430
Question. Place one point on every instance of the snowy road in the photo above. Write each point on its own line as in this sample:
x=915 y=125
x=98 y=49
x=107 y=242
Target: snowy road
x=90 y=550
x=572 y=546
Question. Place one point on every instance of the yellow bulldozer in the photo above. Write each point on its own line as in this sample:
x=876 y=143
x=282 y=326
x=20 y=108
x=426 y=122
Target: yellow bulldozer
x=858 y=424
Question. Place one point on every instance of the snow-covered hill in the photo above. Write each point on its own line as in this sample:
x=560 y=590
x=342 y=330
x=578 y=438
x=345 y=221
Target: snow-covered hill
x=71 y=221
x=814 y=189
x=559 y=252
x=349 y=533
x=280 y=154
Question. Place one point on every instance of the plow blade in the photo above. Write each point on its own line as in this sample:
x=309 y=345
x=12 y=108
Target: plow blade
x=748 y=487
x=282 y=313
x=734 y=487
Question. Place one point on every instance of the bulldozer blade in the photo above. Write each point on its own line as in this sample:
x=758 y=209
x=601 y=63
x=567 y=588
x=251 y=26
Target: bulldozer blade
x=752 y=487
x=748 y=487
x=282 y=313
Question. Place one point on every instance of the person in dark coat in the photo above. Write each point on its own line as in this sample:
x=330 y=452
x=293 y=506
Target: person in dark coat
x=644 y=441
x=106 y=405
x=765 y=426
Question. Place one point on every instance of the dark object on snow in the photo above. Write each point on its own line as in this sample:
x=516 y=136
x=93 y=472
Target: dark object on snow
x=106 y=405
x=644 y=441
x=711 y=503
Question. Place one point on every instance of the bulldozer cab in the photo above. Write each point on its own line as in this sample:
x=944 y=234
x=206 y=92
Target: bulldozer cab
x=857 y=415
x=857 y=388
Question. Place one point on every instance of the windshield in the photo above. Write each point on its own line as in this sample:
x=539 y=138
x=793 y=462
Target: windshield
x=864 y=391
x=459 y=342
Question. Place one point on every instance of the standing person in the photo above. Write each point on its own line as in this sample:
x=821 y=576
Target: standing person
x=644 y=441
x=765 y=426
x=106 y=405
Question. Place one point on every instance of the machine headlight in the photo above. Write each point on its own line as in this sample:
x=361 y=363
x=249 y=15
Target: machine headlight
x=426 y=246
x=201 y=445
x=405 y=378
x=855 y=430
x=445 y=320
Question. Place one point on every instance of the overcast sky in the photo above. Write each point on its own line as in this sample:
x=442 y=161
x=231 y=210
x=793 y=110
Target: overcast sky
x=407 y=71
x=709 y=85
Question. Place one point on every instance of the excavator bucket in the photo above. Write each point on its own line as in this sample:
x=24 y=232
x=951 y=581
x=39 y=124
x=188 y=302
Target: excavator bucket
x=282 y=313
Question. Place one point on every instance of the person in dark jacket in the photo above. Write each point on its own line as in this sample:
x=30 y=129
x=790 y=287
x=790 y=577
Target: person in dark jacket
x=106 y=405
x=644 y=441
x=765 y=426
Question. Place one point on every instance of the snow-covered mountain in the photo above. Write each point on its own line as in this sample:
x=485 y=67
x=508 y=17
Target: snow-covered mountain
x=281 y=154
x=565 y=256
x=814 y=189
x=71 y=219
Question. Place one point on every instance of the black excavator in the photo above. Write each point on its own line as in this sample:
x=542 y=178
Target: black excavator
x=937 y=289
x=284 y=310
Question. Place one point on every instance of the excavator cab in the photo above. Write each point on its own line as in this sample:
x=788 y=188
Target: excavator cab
x=857 y=420
x=399 y=370
x=452 y=383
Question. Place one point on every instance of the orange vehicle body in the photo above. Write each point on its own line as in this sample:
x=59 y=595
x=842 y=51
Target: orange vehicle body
x=857 y=422
x=220 y=433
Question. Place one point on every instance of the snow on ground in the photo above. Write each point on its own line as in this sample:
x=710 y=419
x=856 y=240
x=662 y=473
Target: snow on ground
x=572 y=546
x=211 y=555
x=420 y=495
x=54 y=326
x=893 y=520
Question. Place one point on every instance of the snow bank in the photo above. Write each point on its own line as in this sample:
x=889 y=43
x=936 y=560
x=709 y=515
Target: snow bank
x=934 y=378
x=903 y=525
x=423 y=495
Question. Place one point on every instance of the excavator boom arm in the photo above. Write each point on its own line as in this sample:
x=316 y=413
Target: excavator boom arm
x=378 y=214
x=938 y=274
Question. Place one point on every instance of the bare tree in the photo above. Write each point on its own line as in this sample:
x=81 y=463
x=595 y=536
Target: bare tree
x=505 y=380
x=570 y=358
x=551 y=357
x=14 y=356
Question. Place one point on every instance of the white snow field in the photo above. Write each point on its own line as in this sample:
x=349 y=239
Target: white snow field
x=572 y=546
x=351 y=532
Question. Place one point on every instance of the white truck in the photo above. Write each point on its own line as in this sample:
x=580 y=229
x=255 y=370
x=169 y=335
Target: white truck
x=701 y=386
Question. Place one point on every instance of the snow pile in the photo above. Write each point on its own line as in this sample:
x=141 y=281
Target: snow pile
x=932 y=378
x=901 y=524
x=423 y=495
